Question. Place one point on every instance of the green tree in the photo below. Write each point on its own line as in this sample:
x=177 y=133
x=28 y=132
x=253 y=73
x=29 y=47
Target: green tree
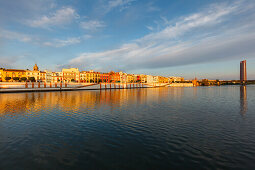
x=205 y=82
x=7 y=78
x=23 y=79
x=32 y=79
x=16 y=78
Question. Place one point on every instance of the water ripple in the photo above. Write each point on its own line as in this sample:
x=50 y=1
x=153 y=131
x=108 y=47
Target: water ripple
x=161 y=128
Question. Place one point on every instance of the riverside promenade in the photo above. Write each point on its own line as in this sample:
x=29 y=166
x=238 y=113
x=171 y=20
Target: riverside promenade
x=15 y=87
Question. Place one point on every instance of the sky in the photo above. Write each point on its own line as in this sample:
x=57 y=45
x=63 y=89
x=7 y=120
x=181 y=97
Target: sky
x=188 y=38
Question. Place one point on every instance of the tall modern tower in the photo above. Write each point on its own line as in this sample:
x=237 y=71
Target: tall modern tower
x=243 y=72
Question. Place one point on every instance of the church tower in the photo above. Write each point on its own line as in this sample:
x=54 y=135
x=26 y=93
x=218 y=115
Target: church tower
x=36 y=68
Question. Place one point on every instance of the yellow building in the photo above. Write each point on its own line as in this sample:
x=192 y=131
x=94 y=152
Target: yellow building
x=35 y=74
x=143 y=78
x=162 y=79
x=12 y=75
x=123 y=77
x=1 y=73
x=176 y=79
x=56 y=77
x=89 y=76
x=130 y=78
x=71 y=74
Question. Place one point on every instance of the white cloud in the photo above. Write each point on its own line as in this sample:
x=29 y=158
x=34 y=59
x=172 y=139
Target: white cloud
x=204 y=19
x=10 y=61
x=5 y=34
x=115 y=4
x=62 y=16
x=15 y=36
x=151 y=7
x=119 y=3
x=150 y=28
x=63 y=43
x=92 y=25
x=177 y=45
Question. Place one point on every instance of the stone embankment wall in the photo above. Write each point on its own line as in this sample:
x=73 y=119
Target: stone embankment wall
x=39 y=87
x=181 y=85
x=24 y=85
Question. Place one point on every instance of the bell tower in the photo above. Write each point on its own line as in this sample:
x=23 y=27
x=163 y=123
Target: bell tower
x=36 y=68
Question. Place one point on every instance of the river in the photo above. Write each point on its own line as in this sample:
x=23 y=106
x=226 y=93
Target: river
x=155 y=128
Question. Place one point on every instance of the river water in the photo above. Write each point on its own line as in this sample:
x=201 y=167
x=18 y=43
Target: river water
x=157 y=128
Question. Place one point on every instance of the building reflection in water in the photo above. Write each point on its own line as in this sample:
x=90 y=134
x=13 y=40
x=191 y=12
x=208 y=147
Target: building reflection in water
x=243 y=100
x=34 y=104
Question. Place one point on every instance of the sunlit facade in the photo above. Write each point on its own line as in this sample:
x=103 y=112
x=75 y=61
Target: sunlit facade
x=162 y=79
x=105 y=77
x=35 y=74
x=130 y=78
x=243 y=71
x=123 y=77
x=89 y=76
x=57 y=77
x=143 y=78
x=71 y=75
x=1 y=74
x=176 y=79
x=114 y=77
x=149 y=78
x=12 y=75
x=74 y=75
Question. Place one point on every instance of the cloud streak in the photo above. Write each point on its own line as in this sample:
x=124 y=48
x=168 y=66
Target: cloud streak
x=62 y=43
x=113 y=5
x=122 y=4
x=6 y=34
x=92 y=25
x=200 y=37
x=61 y=17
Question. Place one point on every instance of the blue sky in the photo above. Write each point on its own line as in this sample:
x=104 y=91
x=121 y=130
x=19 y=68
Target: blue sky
x=187 y=38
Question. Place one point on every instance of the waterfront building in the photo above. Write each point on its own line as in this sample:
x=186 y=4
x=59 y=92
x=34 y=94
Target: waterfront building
x=1 y=73
x=48 y=76
x=114 y=77
x=130 y=78
x=53 y=77
x=12 y=75
x=195 y=82
x=35 y=74
x=162 y=79
x=143 y=78
x=155 y=79
x=57 y=77
x=123 y=77
x=149 y=78
x=90 y=76
x=105 y=77
x=137 y=78
x=71 y=75
x=83 y=77
x=176 y=79
x=166 y=80
x=243 y=71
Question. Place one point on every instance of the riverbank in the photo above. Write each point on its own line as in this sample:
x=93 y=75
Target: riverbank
x=19 y=87
x=48 y=87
